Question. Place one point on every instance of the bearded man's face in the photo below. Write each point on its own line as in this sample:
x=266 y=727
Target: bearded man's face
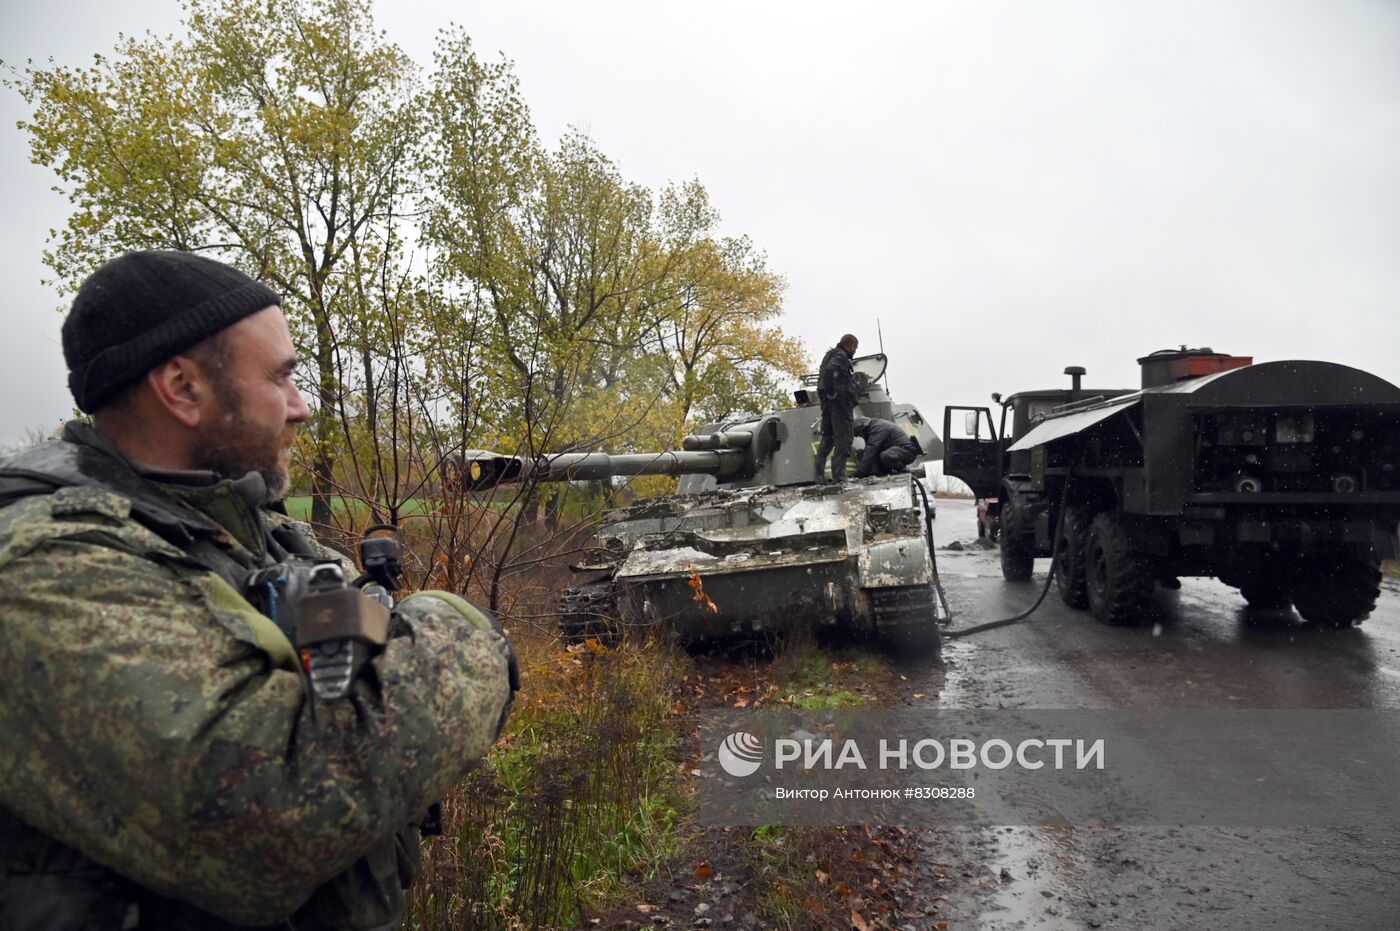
x=258 y=408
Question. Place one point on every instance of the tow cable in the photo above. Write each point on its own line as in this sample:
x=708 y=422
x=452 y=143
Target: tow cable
x=954 y=634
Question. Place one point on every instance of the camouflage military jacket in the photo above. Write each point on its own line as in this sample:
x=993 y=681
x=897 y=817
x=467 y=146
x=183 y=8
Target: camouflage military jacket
x=151 y=719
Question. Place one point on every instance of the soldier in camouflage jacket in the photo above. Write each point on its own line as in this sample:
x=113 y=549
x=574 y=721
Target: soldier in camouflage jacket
x=162 y=763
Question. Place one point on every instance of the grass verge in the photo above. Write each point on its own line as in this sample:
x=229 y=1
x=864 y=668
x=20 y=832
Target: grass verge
x=584 y=805
x=582 y=796
x=812 y=677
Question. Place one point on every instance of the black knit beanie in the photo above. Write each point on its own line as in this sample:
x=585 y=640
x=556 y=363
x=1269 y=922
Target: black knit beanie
x=144 y=307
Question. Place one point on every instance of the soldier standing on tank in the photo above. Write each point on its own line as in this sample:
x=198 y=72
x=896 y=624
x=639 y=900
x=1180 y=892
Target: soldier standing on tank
x=164 y=763
x=836 y=387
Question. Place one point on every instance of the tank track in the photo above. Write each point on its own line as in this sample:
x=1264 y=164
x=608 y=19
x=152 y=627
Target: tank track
x=588 y=611
x=905 y=618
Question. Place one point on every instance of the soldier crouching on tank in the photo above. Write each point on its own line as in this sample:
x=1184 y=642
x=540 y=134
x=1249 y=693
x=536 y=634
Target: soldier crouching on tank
x=888 y=448
x=165 y=762
x=836 y=387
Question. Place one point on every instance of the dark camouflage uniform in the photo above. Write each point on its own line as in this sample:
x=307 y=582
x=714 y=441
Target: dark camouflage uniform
x=155 y=722
x=836 y=377
x=888 y=448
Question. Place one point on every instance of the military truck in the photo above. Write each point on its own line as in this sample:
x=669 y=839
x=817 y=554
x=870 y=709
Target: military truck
x=1281 y=479
x=751 y=544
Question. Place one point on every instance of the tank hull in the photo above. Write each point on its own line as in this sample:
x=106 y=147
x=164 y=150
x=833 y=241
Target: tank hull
x=754 y=542
x=735 y=563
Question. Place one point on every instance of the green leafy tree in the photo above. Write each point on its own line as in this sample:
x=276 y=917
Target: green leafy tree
x=280 y=135
x=452 y=281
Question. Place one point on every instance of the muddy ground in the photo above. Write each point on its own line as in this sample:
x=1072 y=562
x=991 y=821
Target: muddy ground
x=1196 y=650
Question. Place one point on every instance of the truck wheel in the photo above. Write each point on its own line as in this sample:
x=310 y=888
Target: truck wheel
x=1119 y=584
x=1338 y=593
x=1068 y=566
x=1017 y=552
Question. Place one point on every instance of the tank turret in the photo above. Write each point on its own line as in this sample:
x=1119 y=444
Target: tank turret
x=774 y=448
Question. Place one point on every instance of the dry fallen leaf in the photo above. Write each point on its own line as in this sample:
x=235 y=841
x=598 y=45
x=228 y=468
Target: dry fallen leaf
x=822 y=877
x=858 y=922
x=702 y=869
x=701 y=598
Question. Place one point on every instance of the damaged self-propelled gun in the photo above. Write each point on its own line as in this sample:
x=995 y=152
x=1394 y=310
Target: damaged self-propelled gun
x=1282 y=479
x=751 y=544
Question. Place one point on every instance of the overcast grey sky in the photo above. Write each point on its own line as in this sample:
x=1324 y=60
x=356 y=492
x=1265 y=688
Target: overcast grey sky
x=1009 y=188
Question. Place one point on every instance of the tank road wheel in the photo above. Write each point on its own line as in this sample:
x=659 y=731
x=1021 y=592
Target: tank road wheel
x=1118 y=583
x=1338 y=592
x=1068 y=566
x=588 y=611
x=1017 y=547
x=905 y=620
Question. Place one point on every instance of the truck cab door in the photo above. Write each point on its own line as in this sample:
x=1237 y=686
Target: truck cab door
x=971 y=450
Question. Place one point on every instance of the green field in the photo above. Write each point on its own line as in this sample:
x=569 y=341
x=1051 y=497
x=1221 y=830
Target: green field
x=299 y=506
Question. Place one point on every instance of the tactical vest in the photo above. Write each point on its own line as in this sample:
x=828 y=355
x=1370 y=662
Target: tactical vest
x=47 y=885
x=842 y=386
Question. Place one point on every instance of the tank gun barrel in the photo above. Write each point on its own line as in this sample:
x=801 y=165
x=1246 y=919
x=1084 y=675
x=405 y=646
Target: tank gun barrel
x=481 y=469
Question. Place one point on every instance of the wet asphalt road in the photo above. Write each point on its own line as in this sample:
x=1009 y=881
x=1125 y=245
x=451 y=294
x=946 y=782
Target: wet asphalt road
x=1194 y=650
